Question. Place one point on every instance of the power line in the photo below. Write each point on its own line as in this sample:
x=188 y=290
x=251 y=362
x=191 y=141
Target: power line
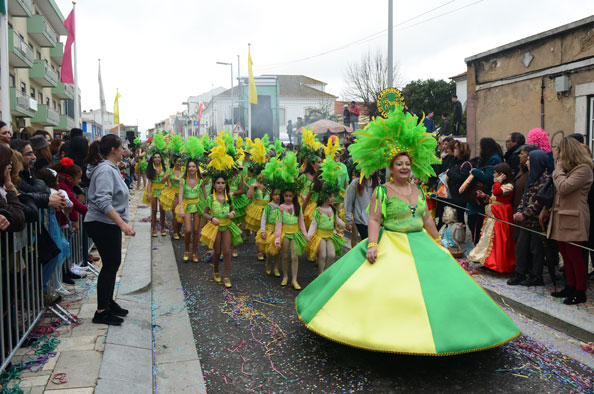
x=378 y=34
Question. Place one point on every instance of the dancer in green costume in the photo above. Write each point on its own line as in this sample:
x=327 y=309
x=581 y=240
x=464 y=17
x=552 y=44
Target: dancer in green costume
x=401 y=291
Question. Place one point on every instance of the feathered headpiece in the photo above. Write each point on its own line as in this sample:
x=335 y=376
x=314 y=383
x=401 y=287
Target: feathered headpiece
x=331 y=148
x=193 y=149
x=271 y=175
x=278 y=148
x=175 y=146
x=257 y=150
x=289 y=173
x=158 y=145
x=382 y=139
x=222 y=163
x=310 y=146
x=137 y=141
x=330 y=172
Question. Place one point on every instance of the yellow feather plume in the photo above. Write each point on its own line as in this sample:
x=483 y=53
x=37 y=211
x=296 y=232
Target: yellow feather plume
x=331 y=148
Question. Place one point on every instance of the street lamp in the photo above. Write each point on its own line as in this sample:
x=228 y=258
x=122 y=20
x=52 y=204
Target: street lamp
x=230 y=64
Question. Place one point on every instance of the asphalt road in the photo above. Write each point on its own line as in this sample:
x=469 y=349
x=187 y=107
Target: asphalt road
x=249 y=339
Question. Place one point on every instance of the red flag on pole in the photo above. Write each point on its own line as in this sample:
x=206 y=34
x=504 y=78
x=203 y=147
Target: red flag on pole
x=199 y=116
x=66 y=74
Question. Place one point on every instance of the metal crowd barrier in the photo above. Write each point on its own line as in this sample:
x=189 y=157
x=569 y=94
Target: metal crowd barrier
x=21 y=295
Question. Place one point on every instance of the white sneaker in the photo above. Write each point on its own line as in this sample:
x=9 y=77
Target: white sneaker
x=79 y=272
x=79 y=268
x=63 y=291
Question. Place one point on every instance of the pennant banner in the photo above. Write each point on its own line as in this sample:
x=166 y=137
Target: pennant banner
x=66 y=73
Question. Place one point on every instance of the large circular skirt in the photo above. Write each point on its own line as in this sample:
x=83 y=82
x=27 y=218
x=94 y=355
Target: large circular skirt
x=415 y=299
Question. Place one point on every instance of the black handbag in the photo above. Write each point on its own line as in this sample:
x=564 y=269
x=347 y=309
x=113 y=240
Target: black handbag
x=546 y=194
x=46 y=247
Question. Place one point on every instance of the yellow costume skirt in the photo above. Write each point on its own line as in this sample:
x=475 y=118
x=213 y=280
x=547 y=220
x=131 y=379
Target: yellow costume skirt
x=210 y=231
x=291 y=232
x=168 y=196
x=312 y=247
x=155 y=192
x=308 y=212
x=263 y=244
x=253 y=214
x=191 y=205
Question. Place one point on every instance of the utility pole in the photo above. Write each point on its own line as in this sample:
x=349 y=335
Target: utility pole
x=390 y=44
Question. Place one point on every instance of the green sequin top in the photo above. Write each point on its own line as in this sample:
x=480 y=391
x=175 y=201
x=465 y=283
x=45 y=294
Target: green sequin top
x=324 y=221
x=272 y=214
x=261 y=195
x=217 y=209
x=159 y=177
x=193 y=192
x=172 y=175
x=309 y=187
x=398 y=216
x=289 y=218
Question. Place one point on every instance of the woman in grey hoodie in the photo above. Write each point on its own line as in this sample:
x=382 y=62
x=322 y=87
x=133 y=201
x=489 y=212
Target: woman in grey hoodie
x=106 y=219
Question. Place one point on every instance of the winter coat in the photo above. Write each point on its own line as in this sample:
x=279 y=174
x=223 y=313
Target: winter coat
x=529 y=206
x=570 y=214
x=11 y=209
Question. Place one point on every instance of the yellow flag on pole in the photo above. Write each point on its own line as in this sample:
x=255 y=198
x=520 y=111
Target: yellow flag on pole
x=253 y=92
x=116 y=109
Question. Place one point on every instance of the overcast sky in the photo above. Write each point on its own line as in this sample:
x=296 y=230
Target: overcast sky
x=158 y=53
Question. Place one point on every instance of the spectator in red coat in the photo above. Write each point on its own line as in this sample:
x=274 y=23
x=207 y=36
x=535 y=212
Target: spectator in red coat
x=69 y=176
x=354 y=110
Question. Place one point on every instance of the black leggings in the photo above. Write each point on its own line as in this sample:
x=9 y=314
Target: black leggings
x=108 y=240
x=362 y=229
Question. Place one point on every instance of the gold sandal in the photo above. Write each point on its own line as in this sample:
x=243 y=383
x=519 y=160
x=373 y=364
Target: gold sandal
x=186 y=256
x=227 y=283
x=216 y=277
x=176 y=236
x=194 y=258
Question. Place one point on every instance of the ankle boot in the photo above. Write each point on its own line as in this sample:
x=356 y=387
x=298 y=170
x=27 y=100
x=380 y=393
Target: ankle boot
x=566 y=292
x=578 y=297
x=516 y=279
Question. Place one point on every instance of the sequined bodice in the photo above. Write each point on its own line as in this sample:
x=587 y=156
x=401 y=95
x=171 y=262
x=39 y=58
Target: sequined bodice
x=218 y=210
x=192 y=192
x=398 y=215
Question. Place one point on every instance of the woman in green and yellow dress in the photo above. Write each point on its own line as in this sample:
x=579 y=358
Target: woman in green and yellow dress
x=220 y=232
x=400 y=290
x=169 y=195
x=265 y=236
x=157 y=178
x=191 y=201
x=237 y=188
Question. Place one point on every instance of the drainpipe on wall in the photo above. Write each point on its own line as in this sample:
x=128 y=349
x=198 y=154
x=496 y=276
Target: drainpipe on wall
x=542 y=108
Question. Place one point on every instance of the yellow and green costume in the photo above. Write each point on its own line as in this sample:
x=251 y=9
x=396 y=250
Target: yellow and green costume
x=290 y=231
x=170 y=193
x=240 y=202
x=253 y=213
x=324 y=230
x=415 y=298
x=272 y=214
x=193 y=199
x=156 y=186
x=210 y=231
x=308 y=211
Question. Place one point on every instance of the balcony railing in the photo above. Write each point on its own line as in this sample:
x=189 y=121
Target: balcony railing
x=21 y=53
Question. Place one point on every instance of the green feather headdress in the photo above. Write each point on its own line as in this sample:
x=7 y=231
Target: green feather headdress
x=382 y=139
x=176 y=145
x=310 y=146
x=193 y=149
x=137 y=141
x=159 y=145
x=278 y=148
x=271 y=175
x=289 y=173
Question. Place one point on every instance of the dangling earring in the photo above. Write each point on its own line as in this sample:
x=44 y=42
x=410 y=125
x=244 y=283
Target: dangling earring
x=226 y=198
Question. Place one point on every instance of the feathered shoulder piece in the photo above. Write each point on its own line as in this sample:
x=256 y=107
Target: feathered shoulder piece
x=310 y=146
x=159 y=145
x=382 y=139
